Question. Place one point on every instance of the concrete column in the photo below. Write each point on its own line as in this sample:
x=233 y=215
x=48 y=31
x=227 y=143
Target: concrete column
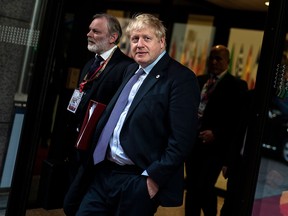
x=18 y=37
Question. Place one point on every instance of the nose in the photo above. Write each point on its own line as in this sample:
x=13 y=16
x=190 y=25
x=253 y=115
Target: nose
x=140 y=42
x=89 y=33
x=214 y=61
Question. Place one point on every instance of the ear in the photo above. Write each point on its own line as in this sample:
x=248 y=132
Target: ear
x=113 y=37
x=162 y=42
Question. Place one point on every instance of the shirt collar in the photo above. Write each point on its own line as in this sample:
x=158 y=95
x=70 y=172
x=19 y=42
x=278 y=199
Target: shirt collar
x=107 y=53
x=220 y=75
x=150 y=67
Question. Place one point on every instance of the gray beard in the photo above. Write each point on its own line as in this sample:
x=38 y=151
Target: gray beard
x=93 y=48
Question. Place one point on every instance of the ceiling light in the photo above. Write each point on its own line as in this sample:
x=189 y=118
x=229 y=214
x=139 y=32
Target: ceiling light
x=267 y=3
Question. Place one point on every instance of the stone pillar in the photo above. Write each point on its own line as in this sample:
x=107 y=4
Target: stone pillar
x=17 y=38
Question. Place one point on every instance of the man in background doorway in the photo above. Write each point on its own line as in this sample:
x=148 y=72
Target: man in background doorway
x=219 y=117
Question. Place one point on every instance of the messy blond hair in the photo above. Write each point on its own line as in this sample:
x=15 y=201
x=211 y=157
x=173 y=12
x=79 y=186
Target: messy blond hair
x=140 y=21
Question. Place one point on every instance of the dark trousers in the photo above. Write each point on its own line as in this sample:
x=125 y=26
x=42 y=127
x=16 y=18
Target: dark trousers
x=117 y=191
x=202 y=172
x=233 y=199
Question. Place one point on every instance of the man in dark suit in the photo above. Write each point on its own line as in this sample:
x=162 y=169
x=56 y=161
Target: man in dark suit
x=97 y=82
x=219 y=115
x=143 y=165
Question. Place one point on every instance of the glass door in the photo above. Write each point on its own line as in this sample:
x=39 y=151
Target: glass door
x=31 y=92
x=265 y=168
x=256 y=187
x=271 y=195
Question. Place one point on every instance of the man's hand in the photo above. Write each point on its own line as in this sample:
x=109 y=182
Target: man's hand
x=152 y=187
x=207 y=136
x=224 y=172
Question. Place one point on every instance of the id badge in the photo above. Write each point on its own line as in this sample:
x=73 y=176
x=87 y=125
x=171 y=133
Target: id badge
x=201 y=109
x=75 y=101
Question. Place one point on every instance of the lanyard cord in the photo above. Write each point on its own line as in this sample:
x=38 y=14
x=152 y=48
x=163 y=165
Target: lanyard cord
x=96 y=74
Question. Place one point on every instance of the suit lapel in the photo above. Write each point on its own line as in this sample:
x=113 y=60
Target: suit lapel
x=145 y=87
x=156 y=74
x=109 y=65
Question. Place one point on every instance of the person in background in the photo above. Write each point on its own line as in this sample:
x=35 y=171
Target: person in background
x=142 y=165
x=99 y=79
x=219 y=116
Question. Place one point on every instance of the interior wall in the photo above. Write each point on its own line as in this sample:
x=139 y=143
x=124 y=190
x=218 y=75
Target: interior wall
x=15 y=18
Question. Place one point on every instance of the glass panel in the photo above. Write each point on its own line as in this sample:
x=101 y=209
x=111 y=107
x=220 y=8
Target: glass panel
x=19 y=39
x=271 y=197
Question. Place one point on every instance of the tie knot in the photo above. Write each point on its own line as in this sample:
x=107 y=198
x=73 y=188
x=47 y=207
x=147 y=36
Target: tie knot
x=213 y=77
x=140 y=72
x=96 y=64
x=98 y=59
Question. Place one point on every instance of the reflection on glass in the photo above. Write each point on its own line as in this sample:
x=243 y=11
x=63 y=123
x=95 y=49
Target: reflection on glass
x=271 y=197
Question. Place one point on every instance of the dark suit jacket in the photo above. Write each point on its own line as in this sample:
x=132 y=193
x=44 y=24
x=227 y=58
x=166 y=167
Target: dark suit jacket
x=102 y=89
x=222 y=115
x=160 y=127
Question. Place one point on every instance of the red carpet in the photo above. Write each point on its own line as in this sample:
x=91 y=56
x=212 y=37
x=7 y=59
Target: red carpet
x=271 y=206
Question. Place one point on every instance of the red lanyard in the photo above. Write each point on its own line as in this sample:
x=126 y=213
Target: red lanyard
x=96 y=74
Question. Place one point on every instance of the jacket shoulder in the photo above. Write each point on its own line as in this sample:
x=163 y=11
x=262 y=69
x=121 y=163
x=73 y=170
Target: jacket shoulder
x=120 y=56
